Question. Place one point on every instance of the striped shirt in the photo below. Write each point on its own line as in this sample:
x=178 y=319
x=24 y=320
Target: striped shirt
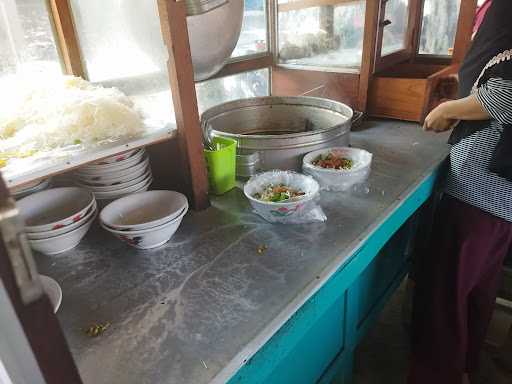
x=469 y=177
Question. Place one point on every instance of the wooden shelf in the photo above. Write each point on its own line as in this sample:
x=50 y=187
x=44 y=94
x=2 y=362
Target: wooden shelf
x=63 y=160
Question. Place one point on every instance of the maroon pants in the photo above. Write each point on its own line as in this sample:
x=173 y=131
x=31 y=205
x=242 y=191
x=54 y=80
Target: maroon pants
x=456 y=289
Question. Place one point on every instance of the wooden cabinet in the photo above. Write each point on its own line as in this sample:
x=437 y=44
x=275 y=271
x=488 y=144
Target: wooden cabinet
x=411 y=91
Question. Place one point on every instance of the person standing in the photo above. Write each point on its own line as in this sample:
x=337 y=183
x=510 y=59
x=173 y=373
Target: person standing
x=460 y=273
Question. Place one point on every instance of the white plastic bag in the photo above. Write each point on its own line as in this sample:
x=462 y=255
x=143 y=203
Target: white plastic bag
x=299 y=211
x=339 y=180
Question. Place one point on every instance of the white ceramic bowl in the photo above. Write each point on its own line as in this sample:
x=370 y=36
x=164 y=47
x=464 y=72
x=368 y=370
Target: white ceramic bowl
x=151 y=237
x=286 y=211
x=116 y=158
x=28 y=189
x=60 y=231
x=62 y=243
x=54 y=208
x=116 y=186
x=52 y=290
x=124 y=191
x=102 y=203
x=143 y=210
x=114 y=167
x=339 y=180
x=109 y=178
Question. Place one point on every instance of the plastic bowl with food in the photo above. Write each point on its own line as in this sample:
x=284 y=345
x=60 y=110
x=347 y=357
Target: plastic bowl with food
x=281 y=196
x=338 y=168
x=54 y=208
x=150 y=237
x=143 y=210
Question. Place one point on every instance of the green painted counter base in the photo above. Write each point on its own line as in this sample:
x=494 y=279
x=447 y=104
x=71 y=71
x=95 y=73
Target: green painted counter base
x=317 y=343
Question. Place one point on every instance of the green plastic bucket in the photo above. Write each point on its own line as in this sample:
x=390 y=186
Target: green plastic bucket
x=221 y=165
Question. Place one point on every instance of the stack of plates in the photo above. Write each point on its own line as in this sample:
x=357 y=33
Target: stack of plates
x=28 y=189
x=145 y=220
x=116 y=176
x=57 y=219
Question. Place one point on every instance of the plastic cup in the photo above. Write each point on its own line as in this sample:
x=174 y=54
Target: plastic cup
x=221 y=165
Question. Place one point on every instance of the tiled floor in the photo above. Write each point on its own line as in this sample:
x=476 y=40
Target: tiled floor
x=382 y=357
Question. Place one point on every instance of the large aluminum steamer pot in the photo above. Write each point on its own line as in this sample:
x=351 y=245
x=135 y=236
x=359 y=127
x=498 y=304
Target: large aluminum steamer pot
x=214 y=27
x=276 y=132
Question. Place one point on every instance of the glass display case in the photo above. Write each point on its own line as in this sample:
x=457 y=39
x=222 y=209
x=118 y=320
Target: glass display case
x=279 y=39
x=396 y=21
x=26 y=39
x=438 y=27
x=320 y=36
x=115 y=52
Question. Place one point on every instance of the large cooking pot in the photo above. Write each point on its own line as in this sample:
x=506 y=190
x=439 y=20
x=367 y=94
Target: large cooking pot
x=275 y=132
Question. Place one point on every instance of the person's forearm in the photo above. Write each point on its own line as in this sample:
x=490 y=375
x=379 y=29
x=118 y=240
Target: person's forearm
x=468 y=108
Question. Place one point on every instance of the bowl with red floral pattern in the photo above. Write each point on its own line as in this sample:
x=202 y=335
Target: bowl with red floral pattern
x=55 y=208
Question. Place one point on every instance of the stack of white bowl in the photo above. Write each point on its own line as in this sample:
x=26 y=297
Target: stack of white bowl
x=145 y=220
x=29 y=188
x=57 y=219
x=116 y=176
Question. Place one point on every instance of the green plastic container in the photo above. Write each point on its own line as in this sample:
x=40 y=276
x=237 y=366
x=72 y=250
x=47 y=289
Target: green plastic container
x=221 y=165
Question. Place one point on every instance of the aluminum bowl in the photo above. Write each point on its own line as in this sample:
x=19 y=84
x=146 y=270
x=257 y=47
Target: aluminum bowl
x=213 y=35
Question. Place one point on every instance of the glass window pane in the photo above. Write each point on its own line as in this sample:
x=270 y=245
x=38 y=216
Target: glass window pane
x=26 y=38
x=122 y=51
x=239 y=86
x=326 y=36
x=397 y=11
x=439 y=26
x=253 y=38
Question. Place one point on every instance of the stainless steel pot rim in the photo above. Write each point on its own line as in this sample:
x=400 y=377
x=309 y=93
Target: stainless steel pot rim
x=280 y=146
x=270 y=101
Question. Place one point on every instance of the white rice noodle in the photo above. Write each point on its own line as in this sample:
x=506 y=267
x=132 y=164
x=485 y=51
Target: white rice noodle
x=44 y=115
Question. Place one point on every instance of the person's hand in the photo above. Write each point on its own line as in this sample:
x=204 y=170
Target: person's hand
x=437 y=121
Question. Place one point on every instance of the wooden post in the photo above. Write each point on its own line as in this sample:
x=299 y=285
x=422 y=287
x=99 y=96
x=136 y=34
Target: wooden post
x=173 y=22
x=464 y=30
x=64 y=26
x=371 y=26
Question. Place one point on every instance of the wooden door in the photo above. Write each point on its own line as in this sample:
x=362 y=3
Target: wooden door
x=50 y=359
x=396 y=32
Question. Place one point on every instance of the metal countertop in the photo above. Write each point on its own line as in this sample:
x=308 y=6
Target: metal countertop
x=194 y=309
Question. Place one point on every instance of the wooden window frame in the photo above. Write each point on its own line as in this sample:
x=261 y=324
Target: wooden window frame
x=193 y=177
x=407 y=52
x=304 y=4
x=462 y=39
x=68 y=46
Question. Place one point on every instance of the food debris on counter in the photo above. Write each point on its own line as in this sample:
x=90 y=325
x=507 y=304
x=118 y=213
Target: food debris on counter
x=261 y=249
x=96 y=329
